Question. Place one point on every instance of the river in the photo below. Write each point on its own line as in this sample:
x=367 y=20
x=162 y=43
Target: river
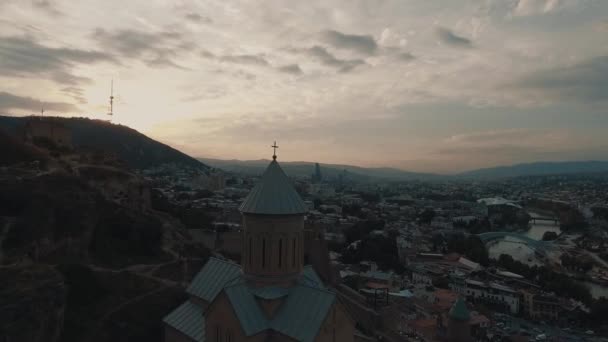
x=521 y=252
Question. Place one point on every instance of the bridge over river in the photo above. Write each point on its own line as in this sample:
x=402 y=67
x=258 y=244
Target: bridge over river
x=538 y=245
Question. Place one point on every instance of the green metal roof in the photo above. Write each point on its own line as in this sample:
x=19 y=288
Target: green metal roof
x=273 y=195
x=310 y=278
x=303 y=306
x=212 y=278
x=459 y=311
x=270 y=292
x=252 y=318
x=188 y=319
x=303 y=312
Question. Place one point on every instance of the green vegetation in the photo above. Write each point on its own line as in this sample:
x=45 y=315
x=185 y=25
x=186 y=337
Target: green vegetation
x=549 y=236
x=549 y=280
x=377 y=248
x=470 y=246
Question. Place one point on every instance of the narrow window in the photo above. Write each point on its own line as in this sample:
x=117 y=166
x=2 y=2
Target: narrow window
x=293 y=261
x=263 y=253
x=250 y=250
x=280 y=251
x=218 y=334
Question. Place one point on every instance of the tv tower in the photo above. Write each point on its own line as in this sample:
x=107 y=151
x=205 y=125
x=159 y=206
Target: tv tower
x=111 y=113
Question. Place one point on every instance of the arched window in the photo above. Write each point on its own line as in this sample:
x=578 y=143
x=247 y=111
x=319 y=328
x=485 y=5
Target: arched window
x=263 y=252
x=280 y=251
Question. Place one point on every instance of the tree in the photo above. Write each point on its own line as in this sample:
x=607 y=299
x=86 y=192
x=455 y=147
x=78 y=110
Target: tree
x=427 y=215
x=471 y=246
x=549 y=236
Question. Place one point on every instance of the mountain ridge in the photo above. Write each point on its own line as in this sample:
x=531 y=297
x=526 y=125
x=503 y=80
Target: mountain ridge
x=305 y=168
x=136 y=149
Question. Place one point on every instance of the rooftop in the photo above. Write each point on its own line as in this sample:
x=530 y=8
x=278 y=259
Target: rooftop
x=273 y=195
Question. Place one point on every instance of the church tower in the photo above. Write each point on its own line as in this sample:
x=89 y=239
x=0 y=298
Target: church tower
x=273 y=230
x=458 y=322
x=271 y=296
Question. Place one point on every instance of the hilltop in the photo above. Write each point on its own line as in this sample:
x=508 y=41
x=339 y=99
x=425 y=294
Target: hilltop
x=129 y=145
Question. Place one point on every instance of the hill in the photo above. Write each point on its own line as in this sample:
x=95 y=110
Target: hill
x=136 y=149
x=84 y=254
x=13 y=151
x=304 y=169
x=537 y=169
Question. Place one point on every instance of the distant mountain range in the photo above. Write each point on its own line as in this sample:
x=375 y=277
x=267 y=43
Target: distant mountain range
x=136 y=149
x=538 y=169
x=302 y=169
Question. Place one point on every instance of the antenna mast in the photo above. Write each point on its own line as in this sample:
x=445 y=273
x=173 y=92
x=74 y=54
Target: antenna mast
x=111 y=113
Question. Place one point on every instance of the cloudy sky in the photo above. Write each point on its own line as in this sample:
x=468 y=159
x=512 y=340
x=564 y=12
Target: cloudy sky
x=437 y=86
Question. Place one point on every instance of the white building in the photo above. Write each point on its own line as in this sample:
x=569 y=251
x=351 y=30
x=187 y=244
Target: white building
x=492 y=293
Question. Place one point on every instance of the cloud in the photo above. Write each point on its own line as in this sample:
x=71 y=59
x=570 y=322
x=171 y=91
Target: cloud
x=293 y=69
x=491 y=136
x=326 y=58
x=405 y=56
x=450 y=38
x=156 y=49
x=585 y=81
x=245 y=59
x=197 y=18
x=24 y=57
x=75 y=93
x=534 y=7
x=47 y=6
x=519 y=143
x=252 y=60
x=359 y=43
x=10 y=102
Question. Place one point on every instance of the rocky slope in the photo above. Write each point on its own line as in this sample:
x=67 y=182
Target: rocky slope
x=83 y=256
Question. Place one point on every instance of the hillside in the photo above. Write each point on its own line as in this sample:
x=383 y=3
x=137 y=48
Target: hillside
x=538 y=169
x=84 y=254
x=136 y=149
x=304 y=169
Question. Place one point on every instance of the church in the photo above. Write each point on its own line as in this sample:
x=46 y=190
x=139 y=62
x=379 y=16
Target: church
x=271 y=295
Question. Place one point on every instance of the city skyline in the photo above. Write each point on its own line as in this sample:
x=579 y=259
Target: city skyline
x=420 y=86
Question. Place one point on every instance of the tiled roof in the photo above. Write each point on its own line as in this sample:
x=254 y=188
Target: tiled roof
x=273 y=195
x=212 y=278
x=188 y=319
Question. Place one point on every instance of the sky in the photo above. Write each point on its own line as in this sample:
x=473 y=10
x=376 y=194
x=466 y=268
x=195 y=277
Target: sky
x=433 y=86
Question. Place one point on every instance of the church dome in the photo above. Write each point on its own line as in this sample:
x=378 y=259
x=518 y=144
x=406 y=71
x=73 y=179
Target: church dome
x=274 y=195
x=459 y=311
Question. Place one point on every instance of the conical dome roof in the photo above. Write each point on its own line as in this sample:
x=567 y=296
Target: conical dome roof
x=459 y=311
x=273 y=195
